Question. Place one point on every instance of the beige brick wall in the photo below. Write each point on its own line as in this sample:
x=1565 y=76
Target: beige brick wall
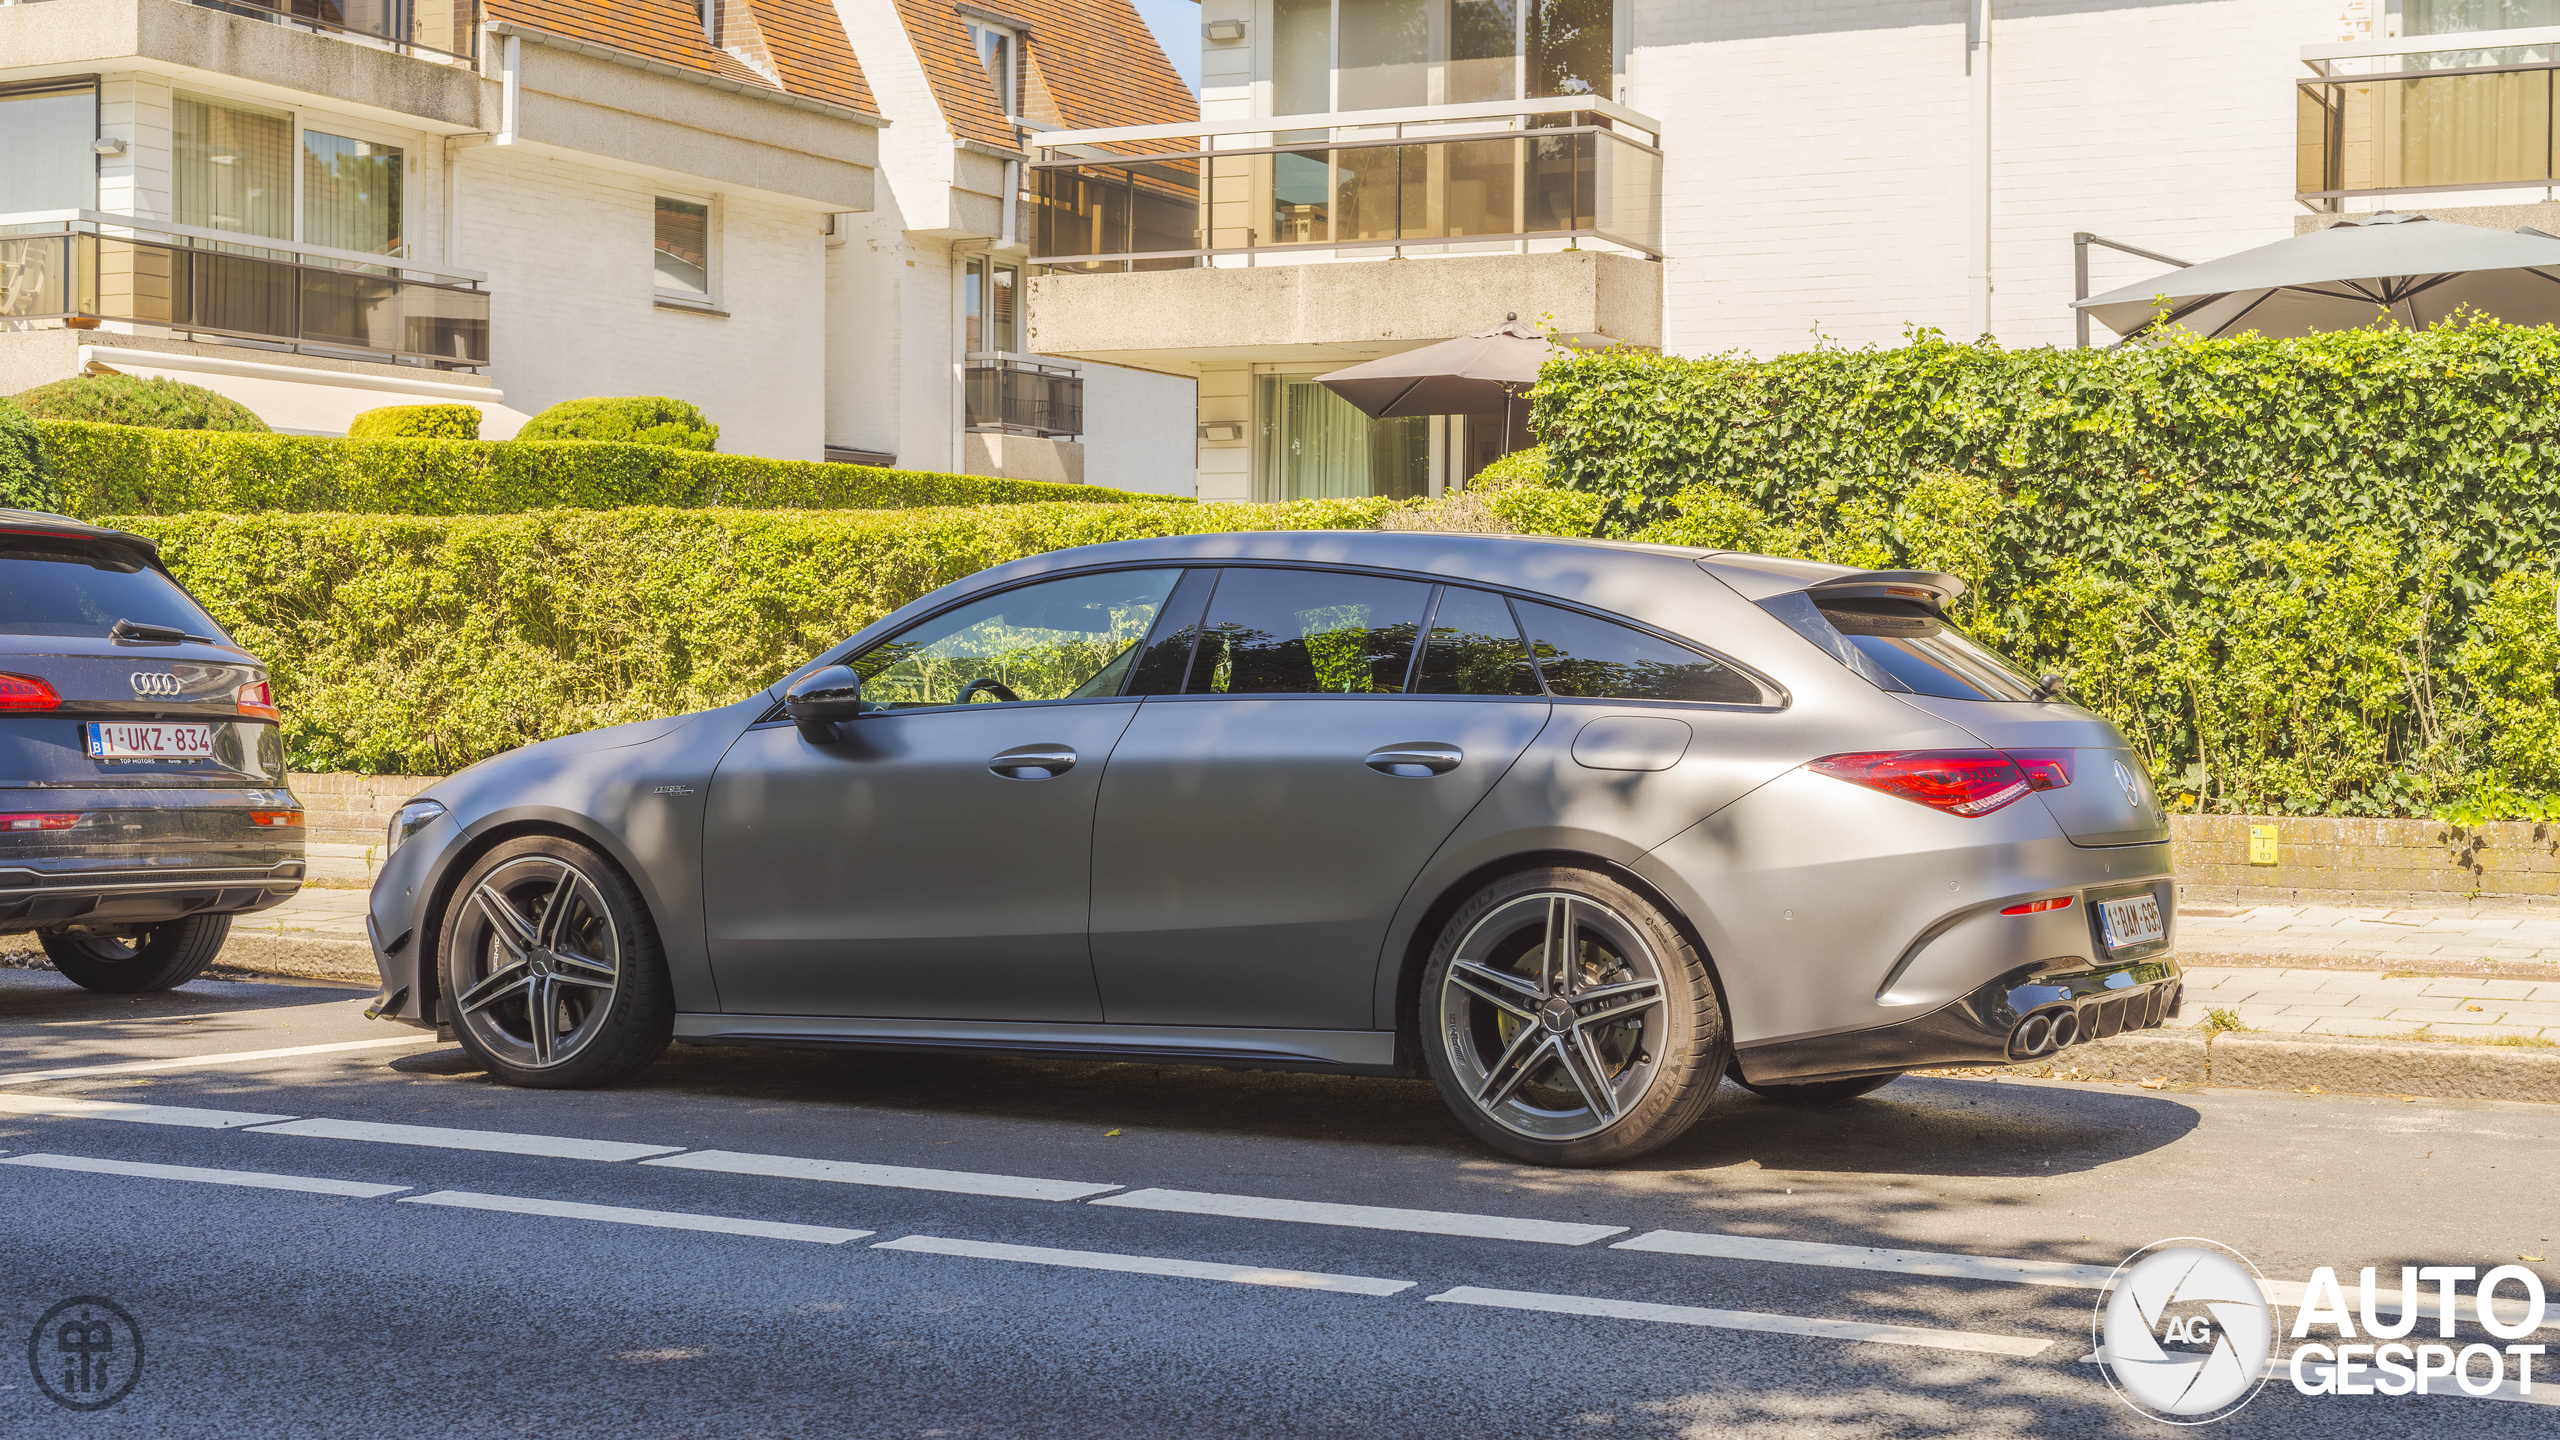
x=344 y=809
x=2410 y=859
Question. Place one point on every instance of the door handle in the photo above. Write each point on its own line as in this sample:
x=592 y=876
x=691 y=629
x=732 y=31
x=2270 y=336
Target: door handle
x=1033 y=762
x=1415 y=759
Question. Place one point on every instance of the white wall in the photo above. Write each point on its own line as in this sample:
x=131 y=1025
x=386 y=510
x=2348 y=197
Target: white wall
x=1138 y=430
x=1816 y=168
x=568 y=250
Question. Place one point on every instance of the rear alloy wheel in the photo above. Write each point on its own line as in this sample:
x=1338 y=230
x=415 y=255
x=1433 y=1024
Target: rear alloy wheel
x=1567 y=1021
x=160 y=957
x=1817 y=1092
x=552 y=970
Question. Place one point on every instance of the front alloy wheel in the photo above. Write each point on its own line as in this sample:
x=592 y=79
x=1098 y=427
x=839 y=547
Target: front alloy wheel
x=1569 y=1021
x=552 y=967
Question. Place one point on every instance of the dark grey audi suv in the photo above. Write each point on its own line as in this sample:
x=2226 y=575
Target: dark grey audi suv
x=1575 y=828
x=142 y=780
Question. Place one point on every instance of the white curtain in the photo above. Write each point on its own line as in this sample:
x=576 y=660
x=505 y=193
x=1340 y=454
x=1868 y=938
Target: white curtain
x=45 y=160
x=234 y=169
x=351 y=194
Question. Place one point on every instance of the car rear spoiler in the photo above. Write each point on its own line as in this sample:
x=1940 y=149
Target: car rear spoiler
x=41 y=522
x=1933 y=588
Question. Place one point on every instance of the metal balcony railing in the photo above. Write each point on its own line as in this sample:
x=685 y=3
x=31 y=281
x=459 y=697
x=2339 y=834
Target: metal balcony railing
x=2435 y=112
x=1024 y=395
x=1440 y=177
x=431 y=28
x=81 y=268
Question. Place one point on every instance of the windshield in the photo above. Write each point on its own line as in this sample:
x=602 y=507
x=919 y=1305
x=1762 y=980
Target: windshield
x=60 y=585
x=1904 y=646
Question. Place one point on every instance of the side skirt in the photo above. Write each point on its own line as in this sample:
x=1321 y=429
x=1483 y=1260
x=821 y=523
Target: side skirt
x=1357 y=1052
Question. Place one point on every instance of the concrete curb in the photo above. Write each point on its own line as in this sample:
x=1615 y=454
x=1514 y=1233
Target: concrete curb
x=2338 y=1064
x=298 y=957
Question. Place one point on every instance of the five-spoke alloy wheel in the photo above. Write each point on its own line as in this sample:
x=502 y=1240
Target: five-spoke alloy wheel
x=551 y=967
x=1568 y=1022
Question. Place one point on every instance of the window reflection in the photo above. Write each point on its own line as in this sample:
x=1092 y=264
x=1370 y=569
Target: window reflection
x=1307 y=632
x=1064 y=640
x=1590 y=658
x=1474 y=649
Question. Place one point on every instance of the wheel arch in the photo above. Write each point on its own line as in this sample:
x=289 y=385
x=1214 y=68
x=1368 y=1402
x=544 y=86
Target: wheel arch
x=467 y=852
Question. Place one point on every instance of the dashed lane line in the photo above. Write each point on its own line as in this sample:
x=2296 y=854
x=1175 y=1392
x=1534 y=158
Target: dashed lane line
x=253 y=1179
x=198 y=1062
x=1869 y=1257
x=72 y=1107
x=1364 y=1217
x=625 y=1215
x=1593 y=1306
x=500 y=1142
x=901 y=1177
x=1149 y=1265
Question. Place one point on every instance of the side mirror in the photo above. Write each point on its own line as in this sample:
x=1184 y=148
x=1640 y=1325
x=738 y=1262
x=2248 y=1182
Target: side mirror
x=818 y=702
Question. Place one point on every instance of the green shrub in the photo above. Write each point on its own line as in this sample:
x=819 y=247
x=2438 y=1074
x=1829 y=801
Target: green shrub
x=417 y=422
x=117 y=470
x=138 y=400
x=2288 y=569
x=1520 y=467
x=22 y=477
x=628 y=419
x=418 y=645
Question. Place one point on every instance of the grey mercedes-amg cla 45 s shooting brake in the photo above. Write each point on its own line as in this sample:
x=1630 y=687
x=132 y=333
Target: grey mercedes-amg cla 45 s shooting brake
x=142 y=781
x=1575 y=828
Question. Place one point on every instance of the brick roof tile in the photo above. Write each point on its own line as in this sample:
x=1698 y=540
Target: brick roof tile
x=803 y=37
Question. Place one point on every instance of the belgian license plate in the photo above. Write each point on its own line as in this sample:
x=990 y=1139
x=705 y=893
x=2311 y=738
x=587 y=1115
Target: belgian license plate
x=2134 y=920
x=149 y=740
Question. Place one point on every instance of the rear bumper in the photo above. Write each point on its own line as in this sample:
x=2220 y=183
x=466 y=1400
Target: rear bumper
x=35 y=899
x=2031 y=1013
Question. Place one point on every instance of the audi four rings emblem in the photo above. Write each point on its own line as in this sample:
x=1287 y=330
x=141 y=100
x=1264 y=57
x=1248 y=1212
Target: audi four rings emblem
x=156 y=682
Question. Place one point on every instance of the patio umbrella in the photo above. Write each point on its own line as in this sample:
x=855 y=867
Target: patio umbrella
x=1471 y=375
x=2345 y=276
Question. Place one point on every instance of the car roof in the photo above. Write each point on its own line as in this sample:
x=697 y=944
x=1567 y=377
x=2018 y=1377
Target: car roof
x=44 y=522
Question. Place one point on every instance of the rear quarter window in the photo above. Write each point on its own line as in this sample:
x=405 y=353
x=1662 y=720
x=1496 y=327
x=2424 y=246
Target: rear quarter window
x=1586 y=657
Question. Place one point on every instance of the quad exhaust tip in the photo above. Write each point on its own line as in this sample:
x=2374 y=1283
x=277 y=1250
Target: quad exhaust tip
x=2032 y=1037
x=2066 y=1029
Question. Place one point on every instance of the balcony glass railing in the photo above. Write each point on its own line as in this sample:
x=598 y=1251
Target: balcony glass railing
x=443 y=27
x=1021 y=395
x=83 y=269
x=1439 y=179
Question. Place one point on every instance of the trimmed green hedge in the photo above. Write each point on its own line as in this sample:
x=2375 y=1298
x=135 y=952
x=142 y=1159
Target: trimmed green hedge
x=2272 y=562
x=417 y=422
x=139 y=400
x=628 y=420
x=99 y=470
x=420 y=644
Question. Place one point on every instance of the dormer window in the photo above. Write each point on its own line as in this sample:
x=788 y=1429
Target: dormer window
x=997 y=46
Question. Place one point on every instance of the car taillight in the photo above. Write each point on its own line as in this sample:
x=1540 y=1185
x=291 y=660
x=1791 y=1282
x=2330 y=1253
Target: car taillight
x=256 y=699
x=38 y=822
x=1971 y=783
x=2038 y=907
x=2046 y=769
x=275 y=817
x=26 y=692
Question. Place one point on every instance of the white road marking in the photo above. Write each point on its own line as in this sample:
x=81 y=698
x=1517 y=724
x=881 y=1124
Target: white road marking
x=198 y=1062
x=501 y=1142
x=1869 y=1257
x=1365 y=1217
x=255 y=1179
x=1745 y=1320
x=847 y=1172
x=71 y=1107
x=1150 y=1265
x=624 y=1215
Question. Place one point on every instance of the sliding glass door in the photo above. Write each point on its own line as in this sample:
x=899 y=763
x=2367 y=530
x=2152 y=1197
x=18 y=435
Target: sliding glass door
x=1313 y=444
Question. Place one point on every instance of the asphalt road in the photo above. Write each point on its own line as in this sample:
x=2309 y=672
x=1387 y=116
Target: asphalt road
x=269 y=1311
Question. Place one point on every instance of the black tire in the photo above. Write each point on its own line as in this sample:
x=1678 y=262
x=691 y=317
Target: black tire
x=162 y=957
x=1818 y=1092
x=1551 y=1062
x=578 y=946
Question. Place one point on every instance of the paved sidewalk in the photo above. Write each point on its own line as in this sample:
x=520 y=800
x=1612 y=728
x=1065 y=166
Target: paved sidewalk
x=2406 y=939
x=2374 y=1003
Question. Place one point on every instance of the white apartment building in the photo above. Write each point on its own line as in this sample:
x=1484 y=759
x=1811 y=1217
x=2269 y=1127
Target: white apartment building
x=800 y=215
x=1368 y=176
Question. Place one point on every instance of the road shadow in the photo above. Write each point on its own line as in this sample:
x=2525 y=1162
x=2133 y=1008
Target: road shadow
x=44 y=998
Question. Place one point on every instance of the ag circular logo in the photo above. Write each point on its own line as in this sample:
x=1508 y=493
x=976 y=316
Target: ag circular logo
x=86 y=1353
x=2185 y=1334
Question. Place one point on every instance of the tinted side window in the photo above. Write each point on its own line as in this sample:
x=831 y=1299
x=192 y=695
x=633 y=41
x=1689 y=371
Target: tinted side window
x=1591 y=658
x=1069 y=639
x=1474 y=648
x=1307 y=632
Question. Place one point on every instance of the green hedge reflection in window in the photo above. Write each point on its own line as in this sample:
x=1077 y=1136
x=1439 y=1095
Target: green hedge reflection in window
x=1590 y=658
x=1474 y=648
x=1308 y=632
x=1070 y=639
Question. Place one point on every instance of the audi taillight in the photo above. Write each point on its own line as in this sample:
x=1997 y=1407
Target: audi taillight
x=26 y=692
x=1971 y=783
x=275 y=819
x=38 y=822
x=256 y=699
